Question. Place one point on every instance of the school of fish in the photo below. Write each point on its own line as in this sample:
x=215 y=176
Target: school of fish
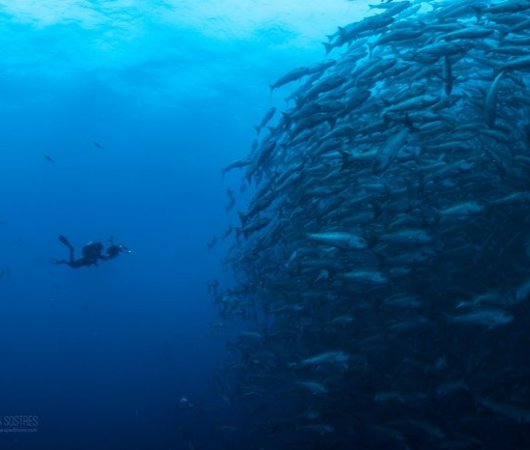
x=382 y=265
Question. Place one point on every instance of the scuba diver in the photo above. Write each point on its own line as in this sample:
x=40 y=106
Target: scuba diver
x=92 y=252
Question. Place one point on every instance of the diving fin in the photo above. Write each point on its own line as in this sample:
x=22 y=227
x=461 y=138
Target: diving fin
x=66 y=242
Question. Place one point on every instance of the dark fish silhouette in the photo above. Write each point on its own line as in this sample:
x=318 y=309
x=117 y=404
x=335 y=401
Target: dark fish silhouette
x=98 y=145
x=49 y=159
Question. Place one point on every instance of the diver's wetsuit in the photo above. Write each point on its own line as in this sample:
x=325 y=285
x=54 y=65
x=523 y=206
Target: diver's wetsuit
x=92 y=252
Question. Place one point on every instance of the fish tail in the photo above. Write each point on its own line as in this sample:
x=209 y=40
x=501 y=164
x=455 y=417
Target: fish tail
x=242 y=217
x=332 y=121
x=409 y=124
x=371 y=47
x=478 y=12
x=345 y=159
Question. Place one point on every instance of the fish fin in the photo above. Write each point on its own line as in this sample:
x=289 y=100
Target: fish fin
x=346 y=159
x=478 y=11
x=328 y=47
x=286 y=117
x=332 y=121
x=371 y=46
x=409 y=124
x=242 y=217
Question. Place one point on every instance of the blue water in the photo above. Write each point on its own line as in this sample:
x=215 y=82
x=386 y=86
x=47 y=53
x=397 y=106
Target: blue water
x=102 y=356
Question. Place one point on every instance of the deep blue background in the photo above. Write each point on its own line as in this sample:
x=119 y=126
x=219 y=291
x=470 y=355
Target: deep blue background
x=102 y=355
x=96 y=350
